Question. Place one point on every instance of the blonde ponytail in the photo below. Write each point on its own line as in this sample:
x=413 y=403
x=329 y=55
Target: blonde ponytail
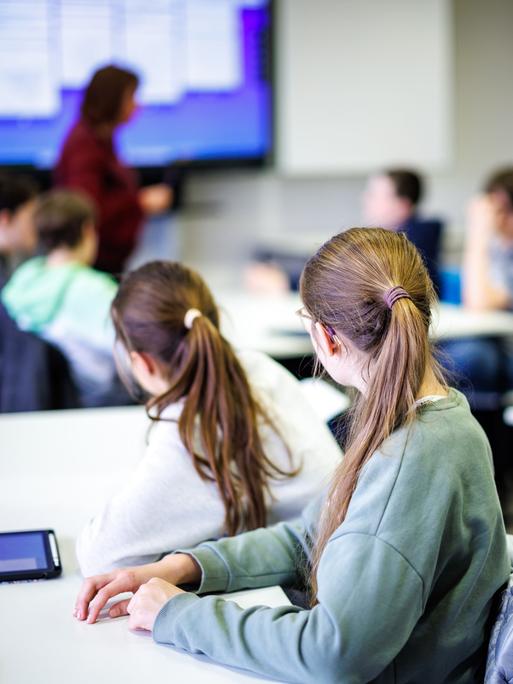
x=351 y=285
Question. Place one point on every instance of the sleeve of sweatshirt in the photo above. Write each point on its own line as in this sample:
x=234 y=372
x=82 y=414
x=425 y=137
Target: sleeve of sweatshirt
x=370 y=598
x=164 y=505
x=261 y=558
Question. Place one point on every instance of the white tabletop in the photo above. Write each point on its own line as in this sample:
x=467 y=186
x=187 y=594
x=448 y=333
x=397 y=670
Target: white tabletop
x=269 y=323
x=452 y=321
x=56 y=468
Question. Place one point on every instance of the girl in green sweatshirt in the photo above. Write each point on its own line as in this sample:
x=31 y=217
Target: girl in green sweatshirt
x=406 y=551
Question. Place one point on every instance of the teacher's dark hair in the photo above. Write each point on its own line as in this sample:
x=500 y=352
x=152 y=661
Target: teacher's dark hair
x=104 y=95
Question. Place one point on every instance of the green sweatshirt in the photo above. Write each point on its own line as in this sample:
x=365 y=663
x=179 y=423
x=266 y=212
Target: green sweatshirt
x=406 y=583
x=38 y=296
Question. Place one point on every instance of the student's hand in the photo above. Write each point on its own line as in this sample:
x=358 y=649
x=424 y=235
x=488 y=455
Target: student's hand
x=145 y=605
x=482 y=220
x=96 y=591
x=156 y=199
x=266 y=279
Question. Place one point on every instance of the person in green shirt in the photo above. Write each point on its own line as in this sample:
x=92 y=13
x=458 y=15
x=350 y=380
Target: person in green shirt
x=60 y=297
x=405 y=553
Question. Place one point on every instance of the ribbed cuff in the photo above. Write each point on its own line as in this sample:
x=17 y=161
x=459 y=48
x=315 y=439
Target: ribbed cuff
x=164 y=626
x=214 y=571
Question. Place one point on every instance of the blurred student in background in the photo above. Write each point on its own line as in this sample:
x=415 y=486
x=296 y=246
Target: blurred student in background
x=17 y=233
x=391 y=201
x=485 y=365
x=234 y=444
x=58 y=296
x=89 y=162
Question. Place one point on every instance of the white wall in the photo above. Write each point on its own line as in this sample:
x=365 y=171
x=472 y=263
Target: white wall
x=230 y=211
x=363 y=84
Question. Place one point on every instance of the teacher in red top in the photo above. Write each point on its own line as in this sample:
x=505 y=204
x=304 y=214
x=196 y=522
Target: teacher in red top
x=88 y=161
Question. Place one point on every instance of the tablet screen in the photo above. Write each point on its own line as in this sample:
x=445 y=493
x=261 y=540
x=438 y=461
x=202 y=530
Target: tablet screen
x=21 y=551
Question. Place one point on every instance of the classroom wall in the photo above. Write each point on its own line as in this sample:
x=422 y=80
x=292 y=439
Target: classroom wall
x=230 y=212
x=362 y=85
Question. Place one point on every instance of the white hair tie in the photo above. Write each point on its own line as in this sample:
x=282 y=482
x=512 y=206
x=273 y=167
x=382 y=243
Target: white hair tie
x=190 y=316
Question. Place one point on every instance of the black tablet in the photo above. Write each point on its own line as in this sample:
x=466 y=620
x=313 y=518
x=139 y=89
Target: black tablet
x=29 y=555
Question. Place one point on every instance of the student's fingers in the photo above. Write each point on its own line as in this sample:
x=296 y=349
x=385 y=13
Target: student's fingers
x=119 y=609
x=482 y=215
x=147 y=603
x=137 y=617
x=133 y=622
x=117 y=586
x=88 y=590
x=96 y=591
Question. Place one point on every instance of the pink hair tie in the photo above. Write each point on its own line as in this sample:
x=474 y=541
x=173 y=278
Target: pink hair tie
x=395 y=293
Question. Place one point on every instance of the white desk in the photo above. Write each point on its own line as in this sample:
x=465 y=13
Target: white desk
x=55 y=470
x=265 y=322
x=269 y=323
x=456 y=321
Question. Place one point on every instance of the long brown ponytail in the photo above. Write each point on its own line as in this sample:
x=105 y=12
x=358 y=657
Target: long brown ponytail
x=203 y=370
x=344 y=286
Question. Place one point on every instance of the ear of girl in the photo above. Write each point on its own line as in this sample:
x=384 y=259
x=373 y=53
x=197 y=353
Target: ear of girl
x=233 y=443
x=326 y=343
x=340 y=358
x=407 y=550
x=148 y=374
